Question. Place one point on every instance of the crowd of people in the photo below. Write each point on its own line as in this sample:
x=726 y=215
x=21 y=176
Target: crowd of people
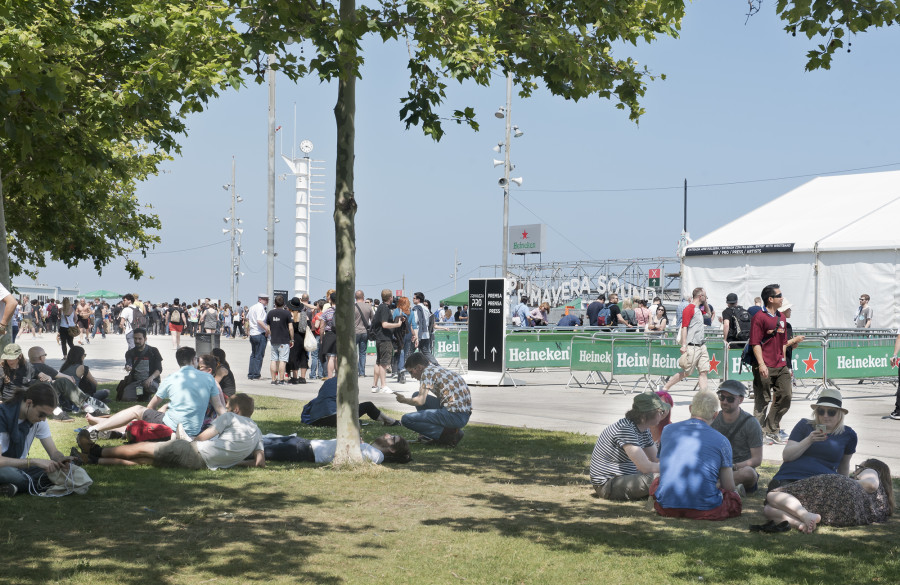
x=194 y=418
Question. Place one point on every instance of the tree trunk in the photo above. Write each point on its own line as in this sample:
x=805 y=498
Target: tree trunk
x=4 y=259
x=348 y=450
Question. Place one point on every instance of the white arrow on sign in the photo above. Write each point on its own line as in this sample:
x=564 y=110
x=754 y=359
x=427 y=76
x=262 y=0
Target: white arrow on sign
x=494 y=353
x=476 y=353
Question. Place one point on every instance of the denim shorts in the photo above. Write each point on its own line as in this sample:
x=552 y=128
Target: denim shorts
x=280 y=352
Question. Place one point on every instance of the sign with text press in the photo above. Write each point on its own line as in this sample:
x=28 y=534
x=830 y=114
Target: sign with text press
x=487 y=325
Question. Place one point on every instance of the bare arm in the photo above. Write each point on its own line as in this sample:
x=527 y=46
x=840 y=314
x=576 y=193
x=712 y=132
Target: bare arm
x=217 y=403
x=208 y=434
x=868 y=479
x=726 y=479
x=754 y=461
x=155 y=402
x=726 y=324
x=794 y=449
x=417 y=400
x=844 y=467
x=259 y=460
x=11 y=304
x=640 y=459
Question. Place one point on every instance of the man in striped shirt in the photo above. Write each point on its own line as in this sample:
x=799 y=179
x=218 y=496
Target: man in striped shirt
x=625 y=459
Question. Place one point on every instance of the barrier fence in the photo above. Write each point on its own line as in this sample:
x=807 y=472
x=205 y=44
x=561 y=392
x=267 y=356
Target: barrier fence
x=604 y=356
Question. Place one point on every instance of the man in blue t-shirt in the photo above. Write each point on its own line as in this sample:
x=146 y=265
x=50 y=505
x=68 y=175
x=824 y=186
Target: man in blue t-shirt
x=694 y=460
x=188 y=390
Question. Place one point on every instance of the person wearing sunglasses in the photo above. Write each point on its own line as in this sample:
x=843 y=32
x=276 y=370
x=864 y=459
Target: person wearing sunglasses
x=743 y=432
x=820 y=445
x=772 y=389
x=865 y=497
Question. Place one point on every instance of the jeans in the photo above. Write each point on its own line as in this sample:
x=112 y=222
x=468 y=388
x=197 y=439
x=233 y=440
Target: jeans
x=362 y=342
x=257 y=354
x=431 y=419
x=315 y=366
x=22 y=478
x=425 y=348
x=98 y=326
x=405 y=351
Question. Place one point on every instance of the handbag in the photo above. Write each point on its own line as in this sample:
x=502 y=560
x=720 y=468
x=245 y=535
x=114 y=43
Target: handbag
x=74 y=481
x=309 y=340
x=370 y=333
x=73 y=331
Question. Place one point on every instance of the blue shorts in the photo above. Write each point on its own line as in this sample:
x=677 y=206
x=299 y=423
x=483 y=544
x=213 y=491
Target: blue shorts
x=280 y=353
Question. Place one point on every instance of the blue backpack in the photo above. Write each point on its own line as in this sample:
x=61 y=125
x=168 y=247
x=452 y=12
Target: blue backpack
x=603 y=316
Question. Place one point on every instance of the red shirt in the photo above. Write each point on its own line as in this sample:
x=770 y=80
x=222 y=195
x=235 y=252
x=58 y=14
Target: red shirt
x=761 y=329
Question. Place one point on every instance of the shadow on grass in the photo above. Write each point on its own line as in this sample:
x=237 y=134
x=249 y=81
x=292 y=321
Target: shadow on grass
x=149 y=525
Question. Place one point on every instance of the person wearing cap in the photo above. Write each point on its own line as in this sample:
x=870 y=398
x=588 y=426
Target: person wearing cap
x=624 y=460
x=735 y=331
x=743 y=432
x=822 y=444
x=792 y=340
x=772 y=391
x=256 y=328
x=695 y=467
x=298 y=359
x=280 y=330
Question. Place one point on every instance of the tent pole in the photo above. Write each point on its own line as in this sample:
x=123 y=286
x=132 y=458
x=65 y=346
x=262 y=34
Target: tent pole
x=816 y=285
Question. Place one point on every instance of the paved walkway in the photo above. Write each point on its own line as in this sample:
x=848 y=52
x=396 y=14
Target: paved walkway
x=544 y=402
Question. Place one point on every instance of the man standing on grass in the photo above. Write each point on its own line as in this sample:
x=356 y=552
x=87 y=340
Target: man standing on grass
x=772 y=390
x=279 y=328
x=126 y=318
x=695 y=478
x=227 y=442
x=743 y=432
x=439 y=417
x=693 y=343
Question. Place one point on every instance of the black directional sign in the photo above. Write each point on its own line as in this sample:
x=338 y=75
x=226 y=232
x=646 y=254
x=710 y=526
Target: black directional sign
x=487 y=324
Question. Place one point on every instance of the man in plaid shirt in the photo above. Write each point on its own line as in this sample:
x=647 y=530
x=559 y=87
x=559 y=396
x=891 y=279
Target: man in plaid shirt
x=443 y=402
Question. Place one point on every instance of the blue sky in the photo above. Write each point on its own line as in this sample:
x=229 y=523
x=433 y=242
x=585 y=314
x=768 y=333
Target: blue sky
x=737 y=106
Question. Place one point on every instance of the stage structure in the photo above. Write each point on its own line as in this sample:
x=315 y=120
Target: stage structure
x=560 y=282
x=303 y=170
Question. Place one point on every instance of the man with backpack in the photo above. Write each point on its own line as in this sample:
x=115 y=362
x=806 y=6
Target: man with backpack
x=362 y=325
x=593 y=311
x=422 y=323
x=735 y=323
x=771 y=375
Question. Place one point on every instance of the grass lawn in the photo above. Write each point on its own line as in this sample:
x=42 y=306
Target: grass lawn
x=508 y=505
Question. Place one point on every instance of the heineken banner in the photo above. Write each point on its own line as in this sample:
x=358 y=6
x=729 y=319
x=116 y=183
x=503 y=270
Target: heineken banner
x=860 y=362
x=630 y=356
x=550 y=353
x=591 y=355
x=447 y=344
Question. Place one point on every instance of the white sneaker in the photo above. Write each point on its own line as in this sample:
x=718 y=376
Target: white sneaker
x=386 y=390
x=180 y=433
x=375 y=389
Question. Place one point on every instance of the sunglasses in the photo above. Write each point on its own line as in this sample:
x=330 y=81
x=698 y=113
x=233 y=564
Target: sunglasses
x=778 y=296
x=824 y=411
x=726 y=398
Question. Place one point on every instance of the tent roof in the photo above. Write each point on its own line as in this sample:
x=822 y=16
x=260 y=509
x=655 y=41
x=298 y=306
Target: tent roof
x=459 y=299
x=844 y=212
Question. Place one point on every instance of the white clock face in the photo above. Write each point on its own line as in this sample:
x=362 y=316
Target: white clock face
x=306 y=146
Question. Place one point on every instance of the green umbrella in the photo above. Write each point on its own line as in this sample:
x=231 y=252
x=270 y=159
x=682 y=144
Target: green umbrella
x=102 y=294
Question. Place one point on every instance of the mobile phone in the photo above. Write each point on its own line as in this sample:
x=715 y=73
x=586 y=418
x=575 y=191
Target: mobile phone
x=820 y=428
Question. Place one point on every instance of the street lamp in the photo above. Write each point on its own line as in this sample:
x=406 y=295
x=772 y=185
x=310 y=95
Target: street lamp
x=235 y=232
x=505 y=180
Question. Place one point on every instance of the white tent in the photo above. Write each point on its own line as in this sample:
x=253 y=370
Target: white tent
x=826 y=243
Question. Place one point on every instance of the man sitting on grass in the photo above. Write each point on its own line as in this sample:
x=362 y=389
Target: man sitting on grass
x=695 y=478
x=439 y=418
x=228 y=442
x=188 y=390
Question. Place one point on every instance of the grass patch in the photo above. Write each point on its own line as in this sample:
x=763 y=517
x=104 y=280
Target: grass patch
x=508 y=505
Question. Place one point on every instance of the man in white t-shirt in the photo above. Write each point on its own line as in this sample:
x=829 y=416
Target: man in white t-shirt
x=229 y=441
x=126 y=317
x=256 y=328
x=8 y=305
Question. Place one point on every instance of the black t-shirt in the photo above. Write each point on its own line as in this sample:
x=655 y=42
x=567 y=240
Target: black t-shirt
x=614 y=312
x=382 y=315
x=279 y=322
x=40 y=368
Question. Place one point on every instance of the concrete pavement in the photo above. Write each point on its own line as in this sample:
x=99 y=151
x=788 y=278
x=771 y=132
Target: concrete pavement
x=543 y=402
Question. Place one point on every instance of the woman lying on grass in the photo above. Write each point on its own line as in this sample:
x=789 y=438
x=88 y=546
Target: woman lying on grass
x=832 y=499
x=386 y=448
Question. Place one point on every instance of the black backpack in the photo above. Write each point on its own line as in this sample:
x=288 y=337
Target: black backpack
x=138 y=319
x=748 y=358
x=740 y=319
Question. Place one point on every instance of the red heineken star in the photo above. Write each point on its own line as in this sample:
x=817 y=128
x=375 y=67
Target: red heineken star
x=810 y=363
x=714 y=364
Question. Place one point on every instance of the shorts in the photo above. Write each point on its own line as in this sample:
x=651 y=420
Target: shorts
x=385 y=353
x=178 y=453
x=329 y=345
x=84 y=322
x=280 y=352
x=176 y=327
x=153 y=416
x=694 y=357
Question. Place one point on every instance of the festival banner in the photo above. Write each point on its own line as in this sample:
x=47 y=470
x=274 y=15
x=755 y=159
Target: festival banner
x=549 y=353
x=860 y=362
x=591 y=355
x=630 y=356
